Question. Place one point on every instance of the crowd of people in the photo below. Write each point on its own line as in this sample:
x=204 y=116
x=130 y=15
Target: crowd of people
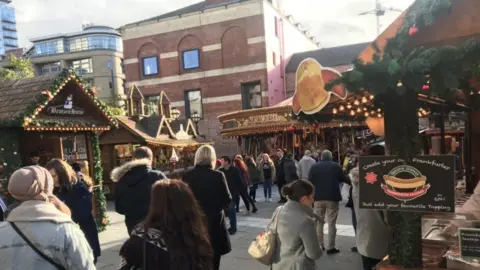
x=182 y=224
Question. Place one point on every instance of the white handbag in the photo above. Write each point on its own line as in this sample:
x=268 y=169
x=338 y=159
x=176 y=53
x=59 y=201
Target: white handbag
x=264 y=245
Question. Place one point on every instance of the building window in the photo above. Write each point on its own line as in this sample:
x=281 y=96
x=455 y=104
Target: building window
x=83 y=66
x=274 y=55
x=193 y=103
x=251 y=95
x=150 y=65
x=191 y=59
x=50 y=68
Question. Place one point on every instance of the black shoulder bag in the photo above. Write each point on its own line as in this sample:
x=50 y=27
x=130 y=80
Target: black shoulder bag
x=41 y=254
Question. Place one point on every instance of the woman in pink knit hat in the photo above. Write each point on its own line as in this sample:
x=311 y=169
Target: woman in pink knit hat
x=39 y=233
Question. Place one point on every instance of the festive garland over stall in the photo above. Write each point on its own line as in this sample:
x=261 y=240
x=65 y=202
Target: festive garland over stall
x=100 y=199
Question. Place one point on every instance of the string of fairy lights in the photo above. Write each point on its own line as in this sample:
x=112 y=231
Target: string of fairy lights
x=363 y=106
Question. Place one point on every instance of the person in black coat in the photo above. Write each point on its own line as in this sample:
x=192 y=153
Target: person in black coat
x=235 y=185
x=134 y=182
x=211 y=191
x=70 y=190
x=280 y=170
x=327 y=176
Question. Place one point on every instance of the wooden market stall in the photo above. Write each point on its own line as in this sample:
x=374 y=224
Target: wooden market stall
x=267 y=129
x=172 y=140
x=56 y=116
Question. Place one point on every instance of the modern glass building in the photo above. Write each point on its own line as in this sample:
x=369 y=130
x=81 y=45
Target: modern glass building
x=91 y=38
x=8 y=34
x=95 y=53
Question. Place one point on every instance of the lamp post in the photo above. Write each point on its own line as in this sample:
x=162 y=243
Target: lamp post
x=196 y=118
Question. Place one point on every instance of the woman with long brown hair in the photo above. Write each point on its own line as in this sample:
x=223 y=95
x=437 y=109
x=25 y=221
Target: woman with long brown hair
x=75 y=194
x=174 y=234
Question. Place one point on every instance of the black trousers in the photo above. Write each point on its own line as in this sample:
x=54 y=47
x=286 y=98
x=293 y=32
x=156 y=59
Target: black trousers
x=280 y=185
x=247 y=200
x=216 y=261
x=369 y=263
x=253 y=191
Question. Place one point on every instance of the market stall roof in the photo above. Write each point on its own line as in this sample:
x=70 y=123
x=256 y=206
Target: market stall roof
x=160 y=131
x=40 y=103
x=328 y=57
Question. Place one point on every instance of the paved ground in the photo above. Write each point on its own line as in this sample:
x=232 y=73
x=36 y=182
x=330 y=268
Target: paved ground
x=248 y=227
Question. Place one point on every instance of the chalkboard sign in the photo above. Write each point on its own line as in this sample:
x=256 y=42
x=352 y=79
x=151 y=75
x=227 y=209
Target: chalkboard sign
x=427 y=184
x=469 y=240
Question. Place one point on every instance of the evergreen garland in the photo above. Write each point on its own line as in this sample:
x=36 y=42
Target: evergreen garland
x=99 y=194
x=9 y=157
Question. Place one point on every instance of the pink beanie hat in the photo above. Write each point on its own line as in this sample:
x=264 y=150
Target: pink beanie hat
x=31 y=183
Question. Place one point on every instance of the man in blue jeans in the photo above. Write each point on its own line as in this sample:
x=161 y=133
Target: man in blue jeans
x=234 y=182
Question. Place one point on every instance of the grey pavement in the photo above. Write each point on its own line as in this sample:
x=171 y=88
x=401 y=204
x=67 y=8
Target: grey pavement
x=248 y=227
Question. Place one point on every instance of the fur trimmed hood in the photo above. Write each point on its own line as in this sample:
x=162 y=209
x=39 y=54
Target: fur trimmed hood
x=119 y=172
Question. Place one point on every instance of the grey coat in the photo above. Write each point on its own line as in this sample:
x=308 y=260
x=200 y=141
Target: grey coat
x=297 y=242
x=372 y=230
x=304 y=166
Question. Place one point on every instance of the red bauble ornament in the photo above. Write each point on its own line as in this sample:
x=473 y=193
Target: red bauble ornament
x=292 y=128
x=413 y=30
x=426 y=87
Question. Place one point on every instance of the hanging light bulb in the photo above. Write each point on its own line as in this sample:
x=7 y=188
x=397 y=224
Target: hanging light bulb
x=365 y=109
x=371 y=97
x=399 y=84
x=366 y=114
x=356 y=103
x=341 y=108
x=352 y=112
x=334 y=111
x=379 y=110
x=364 y=100
x=372 y=112
x=359 y=110
x=349 y=106
x=419 y=114
x=379 y=115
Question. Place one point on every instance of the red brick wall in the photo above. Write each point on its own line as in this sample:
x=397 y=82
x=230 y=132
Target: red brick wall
x=233 y=35
x=212 y=87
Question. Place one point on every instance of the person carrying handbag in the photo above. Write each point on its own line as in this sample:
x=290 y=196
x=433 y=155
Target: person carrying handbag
x=296 y=245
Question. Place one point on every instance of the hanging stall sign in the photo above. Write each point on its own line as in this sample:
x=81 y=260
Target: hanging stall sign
x=66 y=109
x=263 y=119
x=310 y=94
x=469 y=243
x=425 y=185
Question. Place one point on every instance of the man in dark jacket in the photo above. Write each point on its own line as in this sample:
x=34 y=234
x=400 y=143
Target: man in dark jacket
x=235 y=184
x=280 y=170
x=327 y=176
x=134 y=182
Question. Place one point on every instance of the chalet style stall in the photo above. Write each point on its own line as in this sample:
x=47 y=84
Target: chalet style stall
x=54 y=117
x=156 y=125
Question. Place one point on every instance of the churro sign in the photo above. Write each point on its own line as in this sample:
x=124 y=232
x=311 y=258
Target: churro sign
x=426 y=184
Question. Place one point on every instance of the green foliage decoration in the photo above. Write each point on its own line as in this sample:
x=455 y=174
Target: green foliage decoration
x=18 y=68
x=9 y=157
x=99 y=194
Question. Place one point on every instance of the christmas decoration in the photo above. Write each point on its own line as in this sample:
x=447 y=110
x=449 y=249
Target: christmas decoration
x=413 y=30
x=99 y=195
x=9 y=159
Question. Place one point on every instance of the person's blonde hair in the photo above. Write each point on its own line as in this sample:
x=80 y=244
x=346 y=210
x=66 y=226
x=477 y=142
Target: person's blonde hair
x=205 y=155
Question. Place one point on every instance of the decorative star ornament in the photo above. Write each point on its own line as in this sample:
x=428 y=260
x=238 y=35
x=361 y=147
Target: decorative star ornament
x=371 y=178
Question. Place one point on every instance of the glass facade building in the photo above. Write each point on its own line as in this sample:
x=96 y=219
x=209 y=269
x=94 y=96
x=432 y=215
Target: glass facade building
x=91 y=38
x=8 y=29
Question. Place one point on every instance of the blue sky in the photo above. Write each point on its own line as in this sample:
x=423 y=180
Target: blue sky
x=333 y=22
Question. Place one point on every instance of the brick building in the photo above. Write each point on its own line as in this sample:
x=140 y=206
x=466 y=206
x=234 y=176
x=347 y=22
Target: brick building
x=214 y=57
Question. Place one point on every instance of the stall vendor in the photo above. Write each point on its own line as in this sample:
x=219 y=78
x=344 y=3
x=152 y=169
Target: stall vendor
x=471 y=206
